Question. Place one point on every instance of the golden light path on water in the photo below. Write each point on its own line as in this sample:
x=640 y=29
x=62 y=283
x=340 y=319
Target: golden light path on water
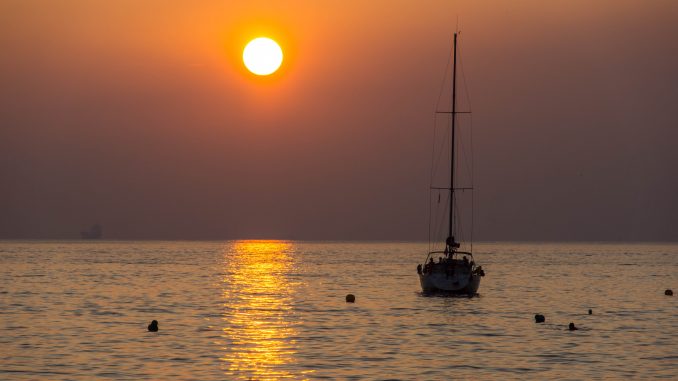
x=257 y=295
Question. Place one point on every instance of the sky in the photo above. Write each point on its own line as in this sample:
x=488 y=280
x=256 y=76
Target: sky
x=140 y=116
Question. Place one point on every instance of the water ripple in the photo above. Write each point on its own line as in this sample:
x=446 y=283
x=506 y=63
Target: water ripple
x=275 y=310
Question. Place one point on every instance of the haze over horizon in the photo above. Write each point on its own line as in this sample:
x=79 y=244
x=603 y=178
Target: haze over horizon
x=141 y=117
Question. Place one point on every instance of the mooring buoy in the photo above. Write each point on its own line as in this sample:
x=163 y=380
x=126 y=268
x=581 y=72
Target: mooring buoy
x=153 y=327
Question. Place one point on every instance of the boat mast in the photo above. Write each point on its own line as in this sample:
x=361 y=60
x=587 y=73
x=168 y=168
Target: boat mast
x=451 y=242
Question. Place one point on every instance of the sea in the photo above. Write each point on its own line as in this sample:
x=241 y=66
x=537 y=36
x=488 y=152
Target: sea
x=271 y=310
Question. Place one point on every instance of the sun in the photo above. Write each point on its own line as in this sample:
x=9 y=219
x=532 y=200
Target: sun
x=262 y=56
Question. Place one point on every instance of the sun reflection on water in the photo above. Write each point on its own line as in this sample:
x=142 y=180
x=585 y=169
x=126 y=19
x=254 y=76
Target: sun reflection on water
x=258 y=311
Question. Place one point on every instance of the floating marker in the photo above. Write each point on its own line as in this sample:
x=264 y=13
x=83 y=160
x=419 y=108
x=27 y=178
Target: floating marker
x=350 y=298
x=153 y=327
x=538 y=318
x=590 y=311
x=668 y=292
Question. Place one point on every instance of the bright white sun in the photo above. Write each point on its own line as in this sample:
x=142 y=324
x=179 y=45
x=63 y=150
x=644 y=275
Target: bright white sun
x=262 y=56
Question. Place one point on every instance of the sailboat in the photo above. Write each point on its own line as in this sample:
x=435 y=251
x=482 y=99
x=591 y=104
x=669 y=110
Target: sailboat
x=455 y=270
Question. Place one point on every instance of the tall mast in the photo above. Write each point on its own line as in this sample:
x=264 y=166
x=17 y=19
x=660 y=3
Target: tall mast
x=450 y=240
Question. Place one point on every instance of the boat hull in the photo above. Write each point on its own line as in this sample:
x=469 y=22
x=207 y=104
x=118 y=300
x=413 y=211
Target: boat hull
x=462 y=284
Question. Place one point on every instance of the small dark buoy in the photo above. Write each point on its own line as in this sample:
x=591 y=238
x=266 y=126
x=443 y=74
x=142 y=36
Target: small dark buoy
x=571 y=327
x=668 y=292
x=539 y=318
x=590 y=311
x=350 y=298
x=153 y=327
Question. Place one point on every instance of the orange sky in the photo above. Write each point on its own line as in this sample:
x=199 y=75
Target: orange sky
x=140 y=115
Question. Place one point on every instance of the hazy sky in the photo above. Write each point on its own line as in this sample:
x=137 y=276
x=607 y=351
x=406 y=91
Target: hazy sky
x=140 y=116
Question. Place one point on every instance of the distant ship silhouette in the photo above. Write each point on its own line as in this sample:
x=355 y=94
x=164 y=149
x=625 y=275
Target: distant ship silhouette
x=95 y=232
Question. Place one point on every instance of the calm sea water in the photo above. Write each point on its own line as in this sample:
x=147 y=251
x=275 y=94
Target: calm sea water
x=268 y=310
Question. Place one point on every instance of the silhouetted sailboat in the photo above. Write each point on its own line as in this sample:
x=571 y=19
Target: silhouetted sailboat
x=455 y=271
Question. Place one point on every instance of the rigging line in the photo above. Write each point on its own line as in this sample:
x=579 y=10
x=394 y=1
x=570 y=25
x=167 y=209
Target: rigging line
x=473 y=208
x=443 y=217
x=463 y=76
x=458 y=223
x=433 y=150
x=458 y=220
x=441 y=225
x=442 y=84
x=436 y=160
x=434 y=165
x=437 y=228
x=452 y=149
x=433 y=220
x=467 y=96
x=438 y=222
x=470 y=160
x=466 y=160
x=462 y=146
x=456 y=216
x=431 y=183
x=429 y=221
